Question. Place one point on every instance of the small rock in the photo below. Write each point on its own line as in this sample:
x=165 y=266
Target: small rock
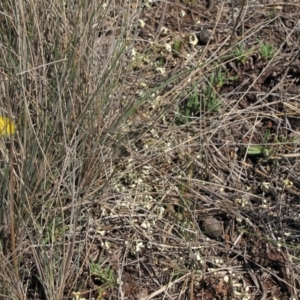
x=205 y=36
x=212 y=227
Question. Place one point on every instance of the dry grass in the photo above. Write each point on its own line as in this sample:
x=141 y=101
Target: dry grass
x=127 y=147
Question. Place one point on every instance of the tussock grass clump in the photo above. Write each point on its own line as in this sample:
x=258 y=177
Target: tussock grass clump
x=62 y=80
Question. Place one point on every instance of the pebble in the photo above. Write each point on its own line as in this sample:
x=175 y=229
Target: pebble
x=211 y=227
x=205 y=36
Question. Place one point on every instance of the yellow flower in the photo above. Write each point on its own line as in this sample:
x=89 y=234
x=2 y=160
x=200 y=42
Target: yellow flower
x=7 y=127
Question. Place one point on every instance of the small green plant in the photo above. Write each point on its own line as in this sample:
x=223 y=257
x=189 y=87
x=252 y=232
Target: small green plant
x=105 y=276
x=176 y=45
x=267 y=136
x=190 y=107
x=211 y=100
x=258 y=150
x=272 y=147
x=196 y=103
x=266 y=50
x=263 y=154
x=283 y=139
x=161 y=62
x=240 y=53
x=262 y=151
x=218 y=79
